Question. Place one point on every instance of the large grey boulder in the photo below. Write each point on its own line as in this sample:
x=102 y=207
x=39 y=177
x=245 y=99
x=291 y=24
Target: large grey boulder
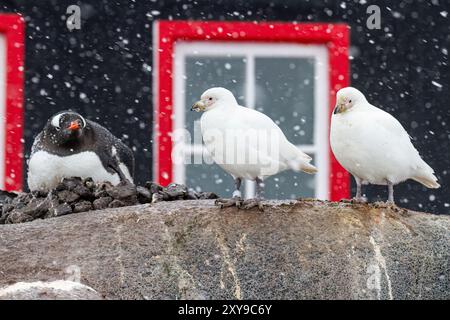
x=190 y=249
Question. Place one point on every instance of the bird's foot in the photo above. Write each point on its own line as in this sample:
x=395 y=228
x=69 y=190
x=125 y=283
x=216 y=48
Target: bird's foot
x=251 y=203
x=387 y=204
x=359 y=200
x=225 y=203
x=390 y=203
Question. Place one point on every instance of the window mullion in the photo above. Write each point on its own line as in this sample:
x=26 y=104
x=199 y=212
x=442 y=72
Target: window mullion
x=250 y=103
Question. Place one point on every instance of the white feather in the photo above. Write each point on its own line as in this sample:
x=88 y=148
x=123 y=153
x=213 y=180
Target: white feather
x=55 y=120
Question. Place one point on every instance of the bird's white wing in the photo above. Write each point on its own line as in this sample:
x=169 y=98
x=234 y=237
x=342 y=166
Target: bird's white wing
x=287 y=152
x=393 y=130
x=390 y=124
x=423 y=173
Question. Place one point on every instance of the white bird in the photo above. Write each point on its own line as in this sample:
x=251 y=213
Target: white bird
x=245 y=143
x=373 y=146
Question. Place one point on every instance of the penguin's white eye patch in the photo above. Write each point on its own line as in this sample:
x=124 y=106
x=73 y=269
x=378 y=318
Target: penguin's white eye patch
x=55 y=120
x=84 y=121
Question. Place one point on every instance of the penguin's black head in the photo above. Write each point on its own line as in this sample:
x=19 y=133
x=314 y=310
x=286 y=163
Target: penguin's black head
x=64 y=127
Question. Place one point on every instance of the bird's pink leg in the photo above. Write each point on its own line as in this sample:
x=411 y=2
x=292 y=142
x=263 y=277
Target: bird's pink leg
x=358 y=197
x=251 y=203
x=391 y=193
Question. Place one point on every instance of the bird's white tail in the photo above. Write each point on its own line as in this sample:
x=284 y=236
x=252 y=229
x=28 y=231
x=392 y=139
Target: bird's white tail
x=298 y=160
x=308 y=168
x=425 y=176
x=429 y=182
x=302 y=165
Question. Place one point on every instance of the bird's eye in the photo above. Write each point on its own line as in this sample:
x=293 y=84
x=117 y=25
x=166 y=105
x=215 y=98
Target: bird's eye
x=57 y=128
x=350 y=101
x=210 y=99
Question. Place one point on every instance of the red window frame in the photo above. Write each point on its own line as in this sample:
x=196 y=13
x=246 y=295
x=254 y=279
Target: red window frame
x=12 y=26
x=167 y=33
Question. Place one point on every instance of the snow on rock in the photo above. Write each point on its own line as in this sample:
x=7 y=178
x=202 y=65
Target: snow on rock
x=39 y=290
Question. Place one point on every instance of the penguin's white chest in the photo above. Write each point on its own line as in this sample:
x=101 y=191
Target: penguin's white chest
x=46 y=170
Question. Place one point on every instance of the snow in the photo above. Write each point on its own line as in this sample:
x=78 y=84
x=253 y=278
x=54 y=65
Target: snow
x=63 y=285
x=437 y=84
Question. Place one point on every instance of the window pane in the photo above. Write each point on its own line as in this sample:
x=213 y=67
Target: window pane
x=290 y=185
x=285 y=92
x=203 y=73
x=208 y=176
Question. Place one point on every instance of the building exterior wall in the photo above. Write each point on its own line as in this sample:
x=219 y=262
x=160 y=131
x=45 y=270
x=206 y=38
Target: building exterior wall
x=105 y=69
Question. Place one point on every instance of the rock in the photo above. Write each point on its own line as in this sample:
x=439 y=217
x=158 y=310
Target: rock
x=60 y=210
x=157 y=197
x=192 y=195
x=207 y=195
x=153 y=187
x=89 y=183
x=84 y=192
x=5 y=195
x=116 y=204
x=191 y=249
x=22 y=200
x=176 y=191
x=102 y=203
x=70 y=183
x=68 y=196
x=7 y=207
x=3 y=218
x=82 y=206
x=143 y=195
x=100 y=193
x=123 y=191
x=53 y=290
x=37 y=207
x=39 y=194
x=17 y=216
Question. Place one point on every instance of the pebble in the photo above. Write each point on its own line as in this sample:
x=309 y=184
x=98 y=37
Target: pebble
x=82 y=206
x=73 y=195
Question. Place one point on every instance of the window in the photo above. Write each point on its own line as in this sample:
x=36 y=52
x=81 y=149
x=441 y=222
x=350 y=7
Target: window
x=288 y=82
x=290 y=72
x=11 y=101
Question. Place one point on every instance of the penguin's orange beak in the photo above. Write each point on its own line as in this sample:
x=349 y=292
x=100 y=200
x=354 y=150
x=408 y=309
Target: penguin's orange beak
x=74 y=125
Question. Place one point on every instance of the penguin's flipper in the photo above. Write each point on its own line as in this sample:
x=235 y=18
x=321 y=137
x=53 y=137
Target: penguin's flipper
x=114 y=165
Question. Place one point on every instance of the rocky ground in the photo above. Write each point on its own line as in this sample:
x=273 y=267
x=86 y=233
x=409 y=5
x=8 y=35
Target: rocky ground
x=76 y=195
x=305 y=249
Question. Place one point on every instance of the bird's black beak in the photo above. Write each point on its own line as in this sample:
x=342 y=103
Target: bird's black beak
x=340 y=107
x=336 y=109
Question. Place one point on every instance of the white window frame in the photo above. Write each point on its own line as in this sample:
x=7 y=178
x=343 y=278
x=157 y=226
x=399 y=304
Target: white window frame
x=249 y=51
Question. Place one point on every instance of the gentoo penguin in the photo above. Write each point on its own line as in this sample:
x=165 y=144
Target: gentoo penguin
x=71 y=146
